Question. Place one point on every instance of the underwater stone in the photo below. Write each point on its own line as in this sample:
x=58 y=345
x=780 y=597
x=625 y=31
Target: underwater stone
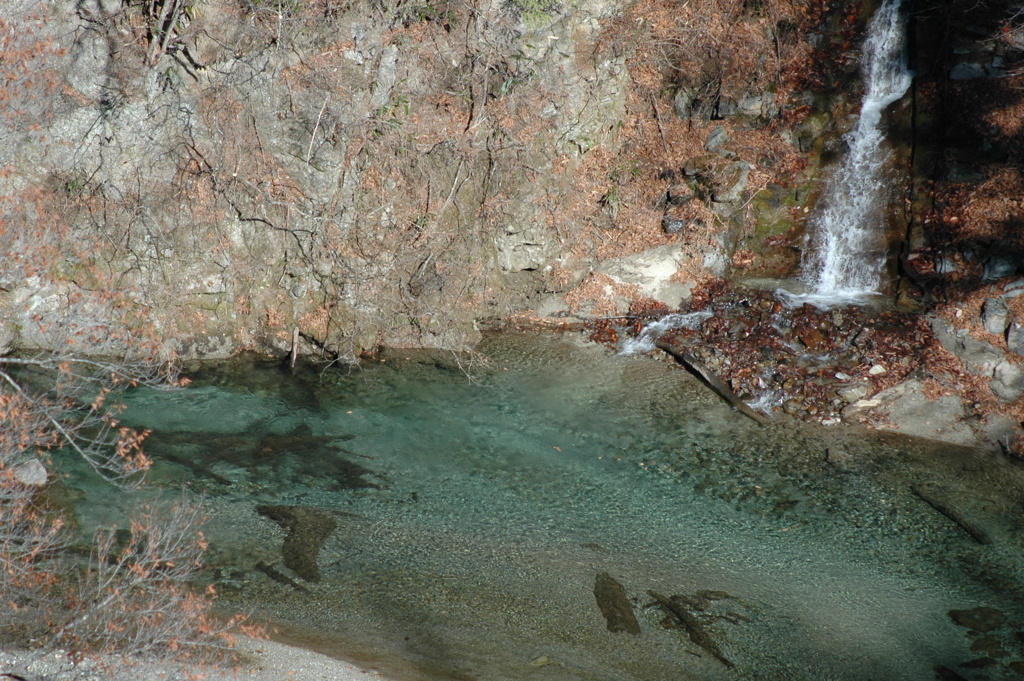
x=614 y=604
x=981 y=619
x=307 y=530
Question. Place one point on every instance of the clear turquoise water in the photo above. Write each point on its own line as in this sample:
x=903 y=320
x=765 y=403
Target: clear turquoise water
x=488 y=506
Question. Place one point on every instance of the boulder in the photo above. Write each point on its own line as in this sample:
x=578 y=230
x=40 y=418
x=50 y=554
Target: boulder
x=716 y=139
x=652 y=271
x=995 y=315
x=731 y=183
x=8 y=337
x=31 y=473
x=1007 y=382
x=1015 y=338
x=979 y=358
x=907 y=410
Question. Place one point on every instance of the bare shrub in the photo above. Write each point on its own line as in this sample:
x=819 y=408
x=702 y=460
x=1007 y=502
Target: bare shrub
x=135 y=598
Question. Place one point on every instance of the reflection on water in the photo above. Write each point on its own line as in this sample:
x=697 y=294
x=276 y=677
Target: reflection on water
x=473 y=526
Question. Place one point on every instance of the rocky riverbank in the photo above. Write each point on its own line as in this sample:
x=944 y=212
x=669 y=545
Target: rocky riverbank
x=904 y=371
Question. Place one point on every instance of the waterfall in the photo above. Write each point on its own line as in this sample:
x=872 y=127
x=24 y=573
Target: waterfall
x=847 y=234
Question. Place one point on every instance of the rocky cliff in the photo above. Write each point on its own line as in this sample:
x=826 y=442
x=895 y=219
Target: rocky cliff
x=388 y=172
x=252 y=174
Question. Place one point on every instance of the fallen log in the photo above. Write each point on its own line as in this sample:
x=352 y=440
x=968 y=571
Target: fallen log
x=676 y=607
x=614 y=604
x=698 y=367
x=976 y=533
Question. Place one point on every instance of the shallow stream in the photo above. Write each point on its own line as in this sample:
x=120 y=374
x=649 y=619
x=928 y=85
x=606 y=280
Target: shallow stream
x=473 y=518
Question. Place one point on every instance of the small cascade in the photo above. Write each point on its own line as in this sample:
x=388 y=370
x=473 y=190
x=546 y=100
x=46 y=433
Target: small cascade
x=644 y=341
x=846 y=253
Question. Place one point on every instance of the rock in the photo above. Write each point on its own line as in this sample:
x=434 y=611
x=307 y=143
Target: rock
x=853 y=393
x=995 y=315
x=31 y=473
x=1017 y=666
x=716 y=139
x=999 y=266
x=307 y=530
x=685 y=103
x=967 y=71
x=8 y=337
x=908 y=411
x=750 y=104
x=523 y=250
x=733 y=183
x=876 y=370
x=679 y=195
x=979 y=358
x=982 y=619
x=725 y=107
x=614 y=604
x=792 y=406
x=1007 y=382
x=989 y=645
x=671 y=224
x=811 y=337
x=1015 y=338
x=652 y=271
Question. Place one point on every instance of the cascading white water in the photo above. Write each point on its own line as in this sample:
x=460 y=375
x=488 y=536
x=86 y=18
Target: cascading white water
x=847 y=251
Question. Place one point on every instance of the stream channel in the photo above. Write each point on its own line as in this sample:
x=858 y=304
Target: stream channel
x=470 y=521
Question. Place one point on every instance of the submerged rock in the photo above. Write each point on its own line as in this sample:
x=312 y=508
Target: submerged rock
x=307 y=530
x=614 y=604
x=982 y=619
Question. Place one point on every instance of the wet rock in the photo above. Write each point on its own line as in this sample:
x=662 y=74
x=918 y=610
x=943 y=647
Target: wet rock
x=966 y=71
x=989 y=645
x=947 y=674
x=995 y=315
x=980 y=663
x=678 y=608
x=812 y=338
x=1007 y=382
x=982 y=619
x=615 y=605
x=792 y=407
x=307 y=530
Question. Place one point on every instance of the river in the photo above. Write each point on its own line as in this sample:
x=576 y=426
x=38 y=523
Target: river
x=474 y=507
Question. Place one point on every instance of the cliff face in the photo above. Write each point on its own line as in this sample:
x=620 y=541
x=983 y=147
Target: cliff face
x=233 y=174
x=388 y=172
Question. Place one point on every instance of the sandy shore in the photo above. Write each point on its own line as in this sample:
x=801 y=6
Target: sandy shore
x=263 y=661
